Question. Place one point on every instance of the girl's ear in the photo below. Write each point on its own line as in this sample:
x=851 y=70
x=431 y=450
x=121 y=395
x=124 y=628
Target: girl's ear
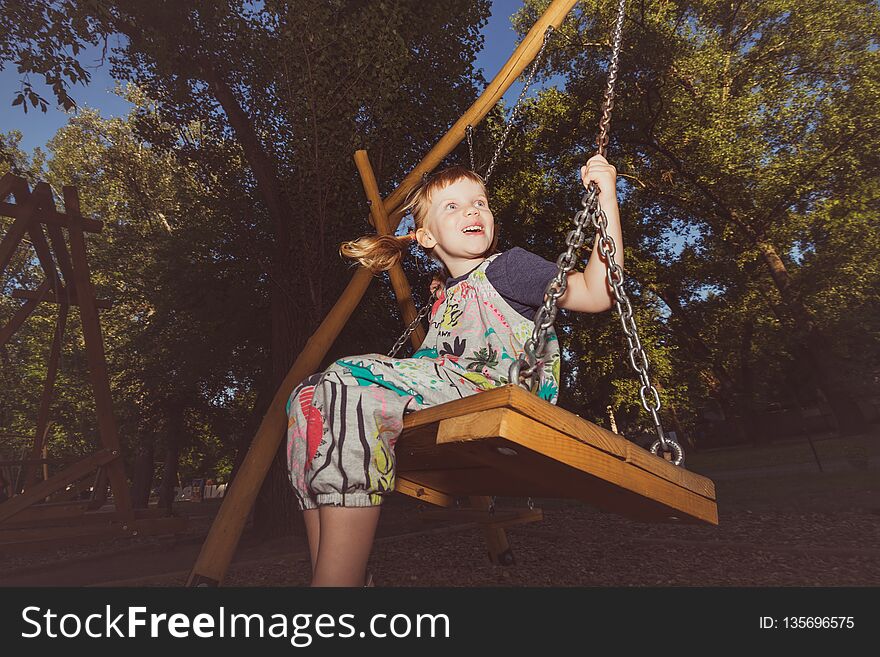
x=424 y=238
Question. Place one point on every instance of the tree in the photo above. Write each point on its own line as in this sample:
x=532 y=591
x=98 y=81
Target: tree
x=734 y=121
x=296 y=87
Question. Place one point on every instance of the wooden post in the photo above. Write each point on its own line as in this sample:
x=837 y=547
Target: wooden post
x=10 y=184
x=29 y=477
x=222 y=539
x=95 y=352
x=380 y=220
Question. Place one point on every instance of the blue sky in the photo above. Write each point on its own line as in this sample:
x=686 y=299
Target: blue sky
x=37 y=128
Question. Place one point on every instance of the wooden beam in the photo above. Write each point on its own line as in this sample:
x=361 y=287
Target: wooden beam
x=23 y=219
x=36 y=494
x=28 y=475
x=22 y=314
x=52 y=217
x=422 y=493
x=399 y=282
x=23 y=541
x=50 y=297
x=222 y=539
x=95 y=355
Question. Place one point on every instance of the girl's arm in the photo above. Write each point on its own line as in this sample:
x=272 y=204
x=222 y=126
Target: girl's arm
x=588 y=291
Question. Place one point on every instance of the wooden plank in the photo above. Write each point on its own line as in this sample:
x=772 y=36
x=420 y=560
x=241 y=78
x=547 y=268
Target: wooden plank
x=422 y=493
x=21 y=315
x=12 y=506
x=48 y=512
x=52 y=218
x=65 y=536
x=543 y=454
x=479 y=479
x=515 y=398
x=67 y=297
x=94 y=344
x=659 y=466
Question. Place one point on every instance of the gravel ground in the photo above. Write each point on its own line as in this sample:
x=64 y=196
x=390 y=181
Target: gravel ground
x=813 y=538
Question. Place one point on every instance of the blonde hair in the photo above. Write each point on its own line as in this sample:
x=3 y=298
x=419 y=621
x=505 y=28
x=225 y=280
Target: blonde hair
x=379 y=253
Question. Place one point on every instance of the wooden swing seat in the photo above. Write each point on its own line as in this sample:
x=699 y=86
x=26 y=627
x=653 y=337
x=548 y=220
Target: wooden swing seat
x=508 y=442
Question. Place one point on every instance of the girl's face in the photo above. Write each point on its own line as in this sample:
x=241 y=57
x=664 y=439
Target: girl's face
x=459 y=225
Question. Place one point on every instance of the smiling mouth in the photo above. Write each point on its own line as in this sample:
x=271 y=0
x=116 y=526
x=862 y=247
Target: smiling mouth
x=478 y=231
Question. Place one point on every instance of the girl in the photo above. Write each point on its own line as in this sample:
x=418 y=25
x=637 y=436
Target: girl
x=344 y=421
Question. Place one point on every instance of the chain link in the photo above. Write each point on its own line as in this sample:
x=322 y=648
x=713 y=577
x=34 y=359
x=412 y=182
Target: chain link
x=529 y=364
x=516 y=107
x=409 y=329
x=469 y=131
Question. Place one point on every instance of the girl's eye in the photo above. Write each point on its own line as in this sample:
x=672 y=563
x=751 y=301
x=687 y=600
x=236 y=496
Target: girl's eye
x=483 y=203
x=450 y=205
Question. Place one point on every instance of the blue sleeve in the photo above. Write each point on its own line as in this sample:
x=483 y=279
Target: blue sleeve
x=524 y=276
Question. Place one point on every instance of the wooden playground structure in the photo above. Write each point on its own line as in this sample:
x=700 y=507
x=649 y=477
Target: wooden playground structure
x=505 y=441
x=50 y=509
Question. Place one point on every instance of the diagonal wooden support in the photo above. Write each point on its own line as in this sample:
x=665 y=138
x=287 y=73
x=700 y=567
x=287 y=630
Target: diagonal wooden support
x=23 y=313
x=95 y=352
x=399 y=282
x=25 y=213
x=29 y=475
x=219 y=546
x=71 y=473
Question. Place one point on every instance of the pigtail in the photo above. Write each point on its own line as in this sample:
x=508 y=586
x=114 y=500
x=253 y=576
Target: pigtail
x=377 y=253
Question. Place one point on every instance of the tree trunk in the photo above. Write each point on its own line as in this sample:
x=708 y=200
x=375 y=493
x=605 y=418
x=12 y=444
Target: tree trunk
x=172 y=457
x=276 y=512
x=811 y=345
x=753 y=429
x=718 y=380
x=143 y=474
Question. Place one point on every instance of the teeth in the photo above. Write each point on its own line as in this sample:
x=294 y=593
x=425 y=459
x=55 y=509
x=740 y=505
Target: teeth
x=473 y=229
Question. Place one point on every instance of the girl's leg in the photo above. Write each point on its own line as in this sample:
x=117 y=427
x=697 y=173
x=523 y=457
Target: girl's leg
x=346 y=541
x=313 y=530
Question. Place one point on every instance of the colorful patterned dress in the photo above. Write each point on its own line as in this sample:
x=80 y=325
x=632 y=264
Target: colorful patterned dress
x=343 y=422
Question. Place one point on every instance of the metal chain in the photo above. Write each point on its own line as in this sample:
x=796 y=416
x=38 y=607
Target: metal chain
x=516 y=107
x=469 y=132
x=409 y=329
x=529 y=364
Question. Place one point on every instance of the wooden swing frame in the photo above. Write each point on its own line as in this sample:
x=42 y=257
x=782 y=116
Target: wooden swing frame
x=28 y=520
x=503 y=441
